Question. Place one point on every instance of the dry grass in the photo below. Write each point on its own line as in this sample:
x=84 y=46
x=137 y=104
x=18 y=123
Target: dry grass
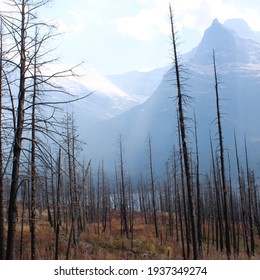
x=110 y=245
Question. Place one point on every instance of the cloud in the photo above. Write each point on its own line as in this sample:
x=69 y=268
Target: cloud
x=198 y=14
x=146 y=24
x=190 y=15
x=64 y=27
x=72 y=24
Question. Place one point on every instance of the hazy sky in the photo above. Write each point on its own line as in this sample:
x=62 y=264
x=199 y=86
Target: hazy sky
x=115 y=36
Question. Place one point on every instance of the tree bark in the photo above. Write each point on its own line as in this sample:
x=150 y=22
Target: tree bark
x=152 y=187
x=180 y=100
x=57 y=239
x=12 y=209
x=2 y=231
x=222 y=162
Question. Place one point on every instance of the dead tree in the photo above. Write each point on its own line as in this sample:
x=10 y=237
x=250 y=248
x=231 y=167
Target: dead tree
x=19 y=23
x=187 y=226
x=2 y=231
x=222 y=161
x=256 y=205
x=199 y=204
x=33 y=154
x=250 y=204
x=50 y=218
x=71 y=183
x=178 y=201
x=58 y=220
x=24 y=191
x=12 y=209
x=23 y=61
x=232 y=208
x=168 y=193
x=219 y=220
x=242 y=200
x=123 y=208
x=152 y=183
x=182 y=100
x=142 y=199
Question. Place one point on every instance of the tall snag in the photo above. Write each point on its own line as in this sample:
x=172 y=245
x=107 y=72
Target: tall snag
x=222 y=161
x=152 y=186
x=58 y=220
x=199 y=202
x=33 y=153
x=182 y=100
x=17 y=147
x=2 y=235
x=123 y=200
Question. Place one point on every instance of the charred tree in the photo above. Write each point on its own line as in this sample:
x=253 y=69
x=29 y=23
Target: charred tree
x=242 y=201
x=152 y=183
x=58 y=220
x=33 y=154
x=250 y=204
x=185 y=211
x=198 y=187
x=2 y=231
x=12 y=209
x=219 y=220
x=123 y=190
x=222 y=161
x=181 y=101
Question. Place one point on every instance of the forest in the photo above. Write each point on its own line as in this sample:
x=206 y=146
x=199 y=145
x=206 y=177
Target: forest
x=55 y=205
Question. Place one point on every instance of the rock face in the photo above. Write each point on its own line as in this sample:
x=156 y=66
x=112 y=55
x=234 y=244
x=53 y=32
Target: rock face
x=228 y=46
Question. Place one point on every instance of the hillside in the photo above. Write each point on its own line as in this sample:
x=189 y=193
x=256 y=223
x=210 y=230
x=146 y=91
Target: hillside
x=238 y=61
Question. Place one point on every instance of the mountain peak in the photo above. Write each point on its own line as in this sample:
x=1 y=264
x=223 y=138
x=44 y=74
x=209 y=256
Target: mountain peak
x=215 y=22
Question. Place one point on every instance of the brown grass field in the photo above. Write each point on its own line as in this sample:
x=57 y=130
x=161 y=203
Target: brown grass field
x=111 y=245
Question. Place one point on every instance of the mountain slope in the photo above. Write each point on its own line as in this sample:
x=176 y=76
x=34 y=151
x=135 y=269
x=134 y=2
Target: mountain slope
x=107 y=99
x=228 y=46
x=139 y=83
x=238 y=63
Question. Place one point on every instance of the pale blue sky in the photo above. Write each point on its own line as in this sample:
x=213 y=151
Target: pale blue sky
x=115 y=36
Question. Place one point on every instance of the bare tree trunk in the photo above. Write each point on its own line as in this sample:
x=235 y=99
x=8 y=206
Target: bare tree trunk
x=47 y=201
x=12 y=209
x=256 y=213
x=72 y=232
x=232 y=209
x=210 y=216
x=169 y=196
x=242 y=201
x=105 y=198
x=2 y=231
x=219 y=224
x=152 y=186
x=222 y=162
x=33 y=155
x=180 y=100
x=22 y=220
x=199 y=205
x=54 y=204
x=142 y=199
x=183 y=195
x=181 y=224
x=123 y=191
x=57 y=239
x=250 y=204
